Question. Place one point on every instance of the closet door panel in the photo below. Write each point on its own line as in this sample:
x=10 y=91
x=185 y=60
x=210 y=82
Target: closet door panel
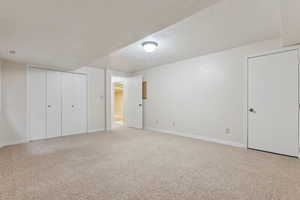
x=74 y=111
x=53 y=104
x=37 y=80
x=68 y=117
x=81 y=103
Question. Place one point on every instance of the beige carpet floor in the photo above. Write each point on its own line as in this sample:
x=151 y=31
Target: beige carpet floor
x=141 y=165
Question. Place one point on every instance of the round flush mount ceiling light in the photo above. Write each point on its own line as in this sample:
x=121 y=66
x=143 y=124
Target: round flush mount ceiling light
x=150 y=46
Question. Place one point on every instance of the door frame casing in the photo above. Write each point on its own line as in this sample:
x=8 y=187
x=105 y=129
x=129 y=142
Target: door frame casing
x=246 y=89
x=109 y=99
x=108 y=89
x=112 y=99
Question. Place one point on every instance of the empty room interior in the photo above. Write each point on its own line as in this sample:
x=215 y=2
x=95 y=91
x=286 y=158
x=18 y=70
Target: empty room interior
x=149 y=100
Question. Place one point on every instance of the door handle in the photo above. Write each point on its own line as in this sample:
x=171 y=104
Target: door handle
x=140 y=104
x=49 y=106
x=252 y=110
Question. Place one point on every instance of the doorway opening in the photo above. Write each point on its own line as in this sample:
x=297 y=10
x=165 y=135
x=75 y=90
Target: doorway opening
x=126 y=102
x=118 y=86
x=118 y=114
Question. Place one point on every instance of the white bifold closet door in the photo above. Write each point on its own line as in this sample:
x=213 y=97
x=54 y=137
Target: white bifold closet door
x=45 y=104
x=74 y=104
x=37 y=105
x=53 y=118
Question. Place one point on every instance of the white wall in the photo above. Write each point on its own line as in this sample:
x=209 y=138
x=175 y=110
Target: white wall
x=96 y=98
x=1 y=113
x=13 y=117
x=203 y=96
x=290 y=29
x=1 y=62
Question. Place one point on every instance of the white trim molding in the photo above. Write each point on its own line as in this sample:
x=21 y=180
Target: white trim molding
x=96 y=130
x=204 y=138
x=13 y=143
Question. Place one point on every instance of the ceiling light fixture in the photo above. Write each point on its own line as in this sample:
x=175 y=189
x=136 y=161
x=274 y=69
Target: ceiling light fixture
x=150 y=46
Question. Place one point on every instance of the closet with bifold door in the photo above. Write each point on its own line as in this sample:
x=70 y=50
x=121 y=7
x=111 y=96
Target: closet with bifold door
x=57 y=103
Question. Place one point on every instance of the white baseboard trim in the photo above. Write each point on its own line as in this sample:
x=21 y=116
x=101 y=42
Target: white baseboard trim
x=13 y=143
x=204 y=138
x=70 y=134
x=96 y=130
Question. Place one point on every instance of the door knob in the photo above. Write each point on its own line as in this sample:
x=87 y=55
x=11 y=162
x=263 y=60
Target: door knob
x=140 y=104
x=252 y=110
x=49 y=106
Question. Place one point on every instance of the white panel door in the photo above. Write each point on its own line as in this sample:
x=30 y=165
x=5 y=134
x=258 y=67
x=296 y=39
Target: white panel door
x=53 y=104
x=273 y=103
x=133 y=104
x=74 y=102
x=37 y=81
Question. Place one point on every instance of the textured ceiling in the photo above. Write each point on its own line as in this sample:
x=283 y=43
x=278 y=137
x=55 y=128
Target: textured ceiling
x=290 y=29
x=227 y=24
x=72 y=33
